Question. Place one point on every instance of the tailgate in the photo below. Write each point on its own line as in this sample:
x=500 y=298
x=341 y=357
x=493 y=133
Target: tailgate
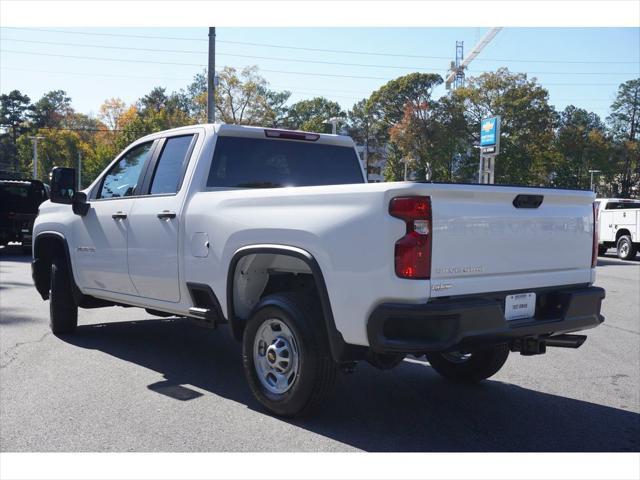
x=483 y=243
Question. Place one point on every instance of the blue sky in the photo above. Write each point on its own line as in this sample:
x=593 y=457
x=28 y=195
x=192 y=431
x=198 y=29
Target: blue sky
x=553 y=55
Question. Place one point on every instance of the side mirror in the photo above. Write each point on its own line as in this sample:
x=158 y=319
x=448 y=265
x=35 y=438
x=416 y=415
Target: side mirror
x=79 y=203
x=62 y=185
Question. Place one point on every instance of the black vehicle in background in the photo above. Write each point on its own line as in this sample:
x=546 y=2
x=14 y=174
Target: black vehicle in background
x=19 y=202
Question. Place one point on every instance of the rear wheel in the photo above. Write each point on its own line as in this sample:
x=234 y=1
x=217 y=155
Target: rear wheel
x=626 y=248
x=286 y=355
x=469 y=366
x=602 y=250
x=63 y=311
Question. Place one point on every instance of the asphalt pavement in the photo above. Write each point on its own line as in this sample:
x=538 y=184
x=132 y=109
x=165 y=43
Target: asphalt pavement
x=128 y=381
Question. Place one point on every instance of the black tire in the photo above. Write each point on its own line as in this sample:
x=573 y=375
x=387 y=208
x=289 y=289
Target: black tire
x=602 y=250
x=480 y=364
x=316 y=371
x=625 y=248
x=63 y=311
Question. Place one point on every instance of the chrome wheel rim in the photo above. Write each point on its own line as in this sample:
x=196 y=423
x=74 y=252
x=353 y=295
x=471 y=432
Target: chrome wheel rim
x=624 y=249
x=276 y=356
x=456 y=356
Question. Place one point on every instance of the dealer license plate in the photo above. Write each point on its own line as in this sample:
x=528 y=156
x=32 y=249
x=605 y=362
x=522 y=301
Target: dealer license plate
x=522 y=305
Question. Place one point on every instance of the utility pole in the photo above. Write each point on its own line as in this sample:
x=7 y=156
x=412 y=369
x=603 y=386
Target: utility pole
x=34 y=140
x=592 y=172
x=211 y=77
x=366 y=158
x=79 y=176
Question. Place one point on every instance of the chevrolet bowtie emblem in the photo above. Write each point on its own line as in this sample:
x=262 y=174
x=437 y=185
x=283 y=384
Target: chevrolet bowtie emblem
x=487 y=127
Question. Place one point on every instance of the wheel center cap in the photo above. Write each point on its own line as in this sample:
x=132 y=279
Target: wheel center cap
x=271 y=355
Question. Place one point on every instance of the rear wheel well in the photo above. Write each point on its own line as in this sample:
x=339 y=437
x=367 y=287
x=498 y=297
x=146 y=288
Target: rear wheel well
x=258 y=275
x=621 y=233
x=257 y=271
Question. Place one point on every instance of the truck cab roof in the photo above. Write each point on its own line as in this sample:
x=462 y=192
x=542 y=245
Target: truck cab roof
x=229 y=130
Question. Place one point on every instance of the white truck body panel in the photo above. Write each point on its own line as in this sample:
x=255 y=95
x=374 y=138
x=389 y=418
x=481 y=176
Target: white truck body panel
x=481 y=243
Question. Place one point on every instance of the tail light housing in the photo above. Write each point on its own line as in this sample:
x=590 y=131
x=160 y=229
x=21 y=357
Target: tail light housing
x=596 y=225
x=413 y=251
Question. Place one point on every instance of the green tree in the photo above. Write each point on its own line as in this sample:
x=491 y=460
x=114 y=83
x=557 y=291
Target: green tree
x=239 y=96
x=394 y=166
x=14 y=107
x=272 y=110
x=388 y=104
x=582 y=146
x=402 y=112
x=313 y=115
x=625 y=125
x=363 y=128
x=527 y=127
x=51 y=110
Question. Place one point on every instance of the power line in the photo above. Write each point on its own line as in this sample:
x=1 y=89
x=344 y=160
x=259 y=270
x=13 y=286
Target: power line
x=187 y=64
x=333 y=75
x=292 y=89
x=350 y=52
x=85 y=74
x=201 y=52
x=294 y=60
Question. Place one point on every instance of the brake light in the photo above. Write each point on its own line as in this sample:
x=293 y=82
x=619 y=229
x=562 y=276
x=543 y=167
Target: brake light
x=413 y=251
x=289 y=135
x=596 y=224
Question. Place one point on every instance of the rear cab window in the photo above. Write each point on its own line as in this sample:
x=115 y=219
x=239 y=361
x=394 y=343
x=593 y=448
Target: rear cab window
x=171 y=165
x=243 y=162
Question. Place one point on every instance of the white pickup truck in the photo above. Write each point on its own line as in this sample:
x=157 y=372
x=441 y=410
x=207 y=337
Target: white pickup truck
x=277 y=234
x=619 y=220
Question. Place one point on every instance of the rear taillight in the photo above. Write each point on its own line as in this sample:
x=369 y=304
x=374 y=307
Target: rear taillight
x=594 y=251
x=413 y=251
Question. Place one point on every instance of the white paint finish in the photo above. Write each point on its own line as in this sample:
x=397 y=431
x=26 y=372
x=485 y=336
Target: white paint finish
x=484 y=237
x=153 y=248
x=104 y=268
x=200 y=245
x=612 y=221
x=349 y=232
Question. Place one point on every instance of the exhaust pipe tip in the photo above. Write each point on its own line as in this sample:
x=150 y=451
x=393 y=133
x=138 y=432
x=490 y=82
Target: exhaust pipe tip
x=566 y=341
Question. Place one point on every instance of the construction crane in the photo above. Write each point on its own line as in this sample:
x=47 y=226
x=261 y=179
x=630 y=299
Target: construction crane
x=456 y=75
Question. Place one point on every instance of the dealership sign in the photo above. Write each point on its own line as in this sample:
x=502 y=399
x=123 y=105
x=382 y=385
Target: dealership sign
x=490 y=135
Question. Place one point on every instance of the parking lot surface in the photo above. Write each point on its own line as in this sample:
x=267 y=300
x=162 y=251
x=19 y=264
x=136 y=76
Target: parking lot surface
x=128 y=381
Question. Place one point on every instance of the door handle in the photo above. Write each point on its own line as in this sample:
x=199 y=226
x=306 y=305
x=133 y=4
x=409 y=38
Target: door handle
x=119 y=216
x=166 y=214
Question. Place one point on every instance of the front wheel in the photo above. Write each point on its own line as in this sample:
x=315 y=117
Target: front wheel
x=286 y=355
x=469 y=367
x=626 y=248
x=63 y=311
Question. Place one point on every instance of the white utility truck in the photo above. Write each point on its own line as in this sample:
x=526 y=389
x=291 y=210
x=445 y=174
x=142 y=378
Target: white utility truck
x=277 y=234
x=619 y=220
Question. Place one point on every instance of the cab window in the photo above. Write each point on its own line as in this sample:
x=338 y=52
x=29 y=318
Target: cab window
x=170 y=166
x=124 y=176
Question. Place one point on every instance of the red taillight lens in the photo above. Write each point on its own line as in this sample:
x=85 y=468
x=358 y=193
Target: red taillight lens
x=413 y=251
x=594 y=252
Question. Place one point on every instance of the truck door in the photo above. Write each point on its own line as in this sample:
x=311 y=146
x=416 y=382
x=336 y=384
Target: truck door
x=155 y=222
x=100 y=237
